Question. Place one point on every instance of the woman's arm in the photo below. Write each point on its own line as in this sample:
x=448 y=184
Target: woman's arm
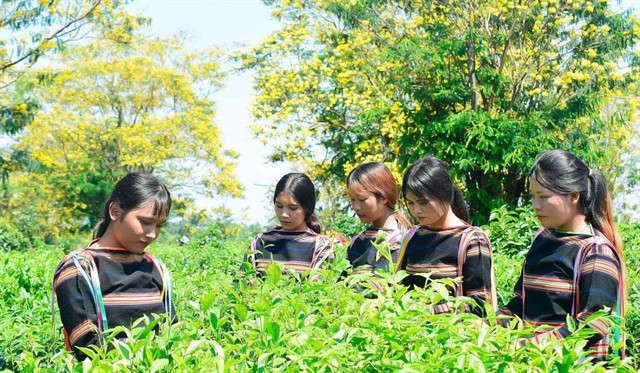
x=77 y=307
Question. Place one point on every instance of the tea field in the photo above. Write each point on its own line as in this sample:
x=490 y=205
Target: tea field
x=233 y=322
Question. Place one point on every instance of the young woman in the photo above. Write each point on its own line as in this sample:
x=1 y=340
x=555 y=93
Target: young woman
x=443 y=244
x=296 y=244
x=575 y=265
x=373 y=193
x=113 y=280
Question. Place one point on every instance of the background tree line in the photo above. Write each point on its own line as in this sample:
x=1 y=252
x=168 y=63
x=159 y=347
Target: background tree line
x=484 y=85
x=109 y=100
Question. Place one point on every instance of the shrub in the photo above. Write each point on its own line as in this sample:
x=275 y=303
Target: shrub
x=234 y=322
x=511 y=230
x=11 y=238
x=347 y=225
x=630 y=234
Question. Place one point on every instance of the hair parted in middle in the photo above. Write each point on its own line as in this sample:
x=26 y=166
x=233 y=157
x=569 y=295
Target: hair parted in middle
x=429 y=177
x=301 y=188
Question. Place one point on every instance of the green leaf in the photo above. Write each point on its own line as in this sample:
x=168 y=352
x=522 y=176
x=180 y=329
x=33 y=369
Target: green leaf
x=207 y=301
x=213 y=318
x=274 y=330
x=241 y=311
x=274 y=273
x=159 y=364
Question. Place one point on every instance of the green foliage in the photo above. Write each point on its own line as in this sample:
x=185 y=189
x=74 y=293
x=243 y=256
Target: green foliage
x=11 y=238
x=235 y=322
x=215 y=235
x=15 y=117
x=32 y=29
x=484 y=85
x=347 y=225
x=110 y=108
x=82 y=190
x=511 y=230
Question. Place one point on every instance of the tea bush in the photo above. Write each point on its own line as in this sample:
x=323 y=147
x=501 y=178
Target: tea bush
x=347 y=225
x=511 y=230
x=234 y=322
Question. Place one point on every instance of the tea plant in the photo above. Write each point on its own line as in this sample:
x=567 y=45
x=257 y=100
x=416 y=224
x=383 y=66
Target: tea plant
x=511 y=229
x=232 y=321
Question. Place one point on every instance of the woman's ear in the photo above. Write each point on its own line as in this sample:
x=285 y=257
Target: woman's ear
x=115 y=212
x=575 y=197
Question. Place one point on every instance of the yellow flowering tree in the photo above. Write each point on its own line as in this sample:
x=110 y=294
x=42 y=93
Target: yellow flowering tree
x=484 y=85
x=30 y=29
x=110 y=108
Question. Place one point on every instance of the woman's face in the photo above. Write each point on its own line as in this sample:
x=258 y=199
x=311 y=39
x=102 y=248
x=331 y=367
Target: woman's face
x=369 y=207
x=137 y=229
x=289 y=212
x=429 y=213
x=552 y=209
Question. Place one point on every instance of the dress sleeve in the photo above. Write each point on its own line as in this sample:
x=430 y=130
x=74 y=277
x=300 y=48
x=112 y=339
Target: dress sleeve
x=159 y=267
x=76 y=305
x=396 y=242
x=401 y=256
x=476 y=272
x=598 y=287
x=476 y=275
x=323 y=252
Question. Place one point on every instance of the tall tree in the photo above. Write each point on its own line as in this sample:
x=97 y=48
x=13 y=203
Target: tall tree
x=30 y=29
x=110 y=108
x=484 y=85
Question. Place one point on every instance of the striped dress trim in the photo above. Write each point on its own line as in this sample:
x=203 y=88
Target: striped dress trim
x=132 y=285
x=459 y=252
x=548 y=277
x=295 y=251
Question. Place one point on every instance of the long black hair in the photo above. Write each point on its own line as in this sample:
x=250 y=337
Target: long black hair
x=563 y=173
x=429 y=177
x=301 y=188
x=131 y=192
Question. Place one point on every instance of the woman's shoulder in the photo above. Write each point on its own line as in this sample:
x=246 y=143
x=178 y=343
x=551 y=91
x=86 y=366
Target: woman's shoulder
x=601 y=246
x=570 y=238
x=445 y=231
x=324 y=242
x=477 y=232
x=68 y=258
x=370 y=233
x=73 y=259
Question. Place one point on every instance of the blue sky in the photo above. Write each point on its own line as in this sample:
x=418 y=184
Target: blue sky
x=223 y=23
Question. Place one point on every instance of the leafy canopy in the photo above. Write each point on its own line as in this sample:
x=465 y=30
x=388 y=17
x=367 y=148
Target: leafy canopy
x=30 y=29
x=484 y=85
x=110 y=108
